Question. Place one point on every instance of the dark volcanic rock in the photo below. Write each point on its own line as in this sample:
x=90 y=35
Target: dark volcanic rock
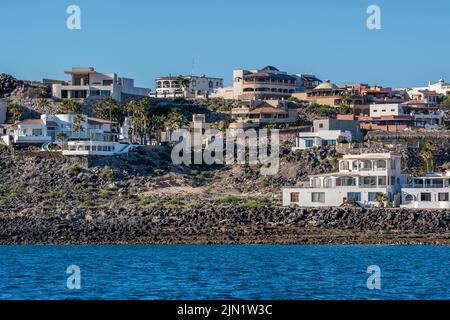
x=229 y=225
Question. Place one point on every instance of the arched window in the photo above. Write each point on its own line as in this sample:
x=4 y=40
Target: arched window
x=315 y=182
x=365 y=165
x=345 y=181
x=343 y=165
x=409 y=198
x=381 y=164
x=328 y=182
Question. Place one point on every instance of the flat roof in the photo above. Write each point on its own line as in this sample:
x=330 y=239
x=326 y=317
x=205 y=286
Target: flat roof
x=26 y=122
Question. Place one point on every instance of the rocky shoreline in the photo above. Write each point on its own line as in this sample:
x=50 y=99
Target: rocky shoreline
x=228 y=225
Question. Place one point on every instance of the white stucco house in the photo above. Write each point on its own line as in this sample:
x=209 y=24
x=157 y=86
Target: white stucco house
x=427 y=192
x=426 y=115
x=193 y=86
x=440 y=87
x=86 y=83
x=360 y=178
x=93 y=137
x=308 y=140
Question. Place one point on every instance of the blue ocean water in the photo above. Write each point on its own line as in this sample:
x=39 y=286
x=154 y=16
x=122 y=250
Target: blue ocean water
x=224 y=272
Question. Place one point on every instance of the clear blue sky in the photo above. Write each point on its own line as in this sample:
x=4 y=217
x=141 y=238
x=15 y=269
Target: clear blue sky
x=146 y=38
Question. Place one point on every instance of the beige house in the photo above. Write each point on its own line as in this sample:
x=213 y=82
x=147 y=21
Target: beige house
x=264 y=112
x=331 y=95
x=262 y=84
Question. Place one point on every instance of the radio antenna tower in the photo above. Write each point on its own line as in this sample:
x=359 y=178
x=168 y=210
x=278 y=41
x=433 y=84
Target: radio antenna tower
x=193 y=67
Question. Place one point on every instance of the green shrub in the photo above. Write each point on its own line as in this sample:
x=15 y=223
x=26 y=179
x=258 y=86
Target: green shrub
x=104 y=193
x=229 y=199
x=75 y=169
x=108 y=174
x=149 y=202
x=174 y=204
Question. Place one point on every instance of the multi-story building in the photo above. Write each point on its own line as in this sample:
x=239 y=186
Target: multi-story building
x=267 y=83
x=263 y=112
x=408 y=115
x=340 y=123
x=425 y=96
x=360 y=179
x=306 y=82
x=83 y=135
x=308 y=140
x=428 y=192
x=429 y=115
x=186 y=86
x=86 y=83
x=332 y=95
x=440 y=87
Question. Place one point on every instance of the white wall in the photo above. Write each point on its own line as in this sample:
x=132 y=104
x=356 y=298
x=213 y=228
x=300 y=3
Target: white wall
x=418 y=204
x=388 y=109
x=334 y=197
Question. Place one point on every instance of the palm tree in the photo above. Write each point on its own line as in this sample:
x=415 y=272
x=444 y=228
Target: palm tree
x=110 y=109
x=184 y=82
x=175 y=119
x=428 y=154
x=78 y=124
x=69 y=106
x=138 y=114
x=155 y=126
x=15 y=111
x=381 y=198
x=62 y=136
x=43 y=105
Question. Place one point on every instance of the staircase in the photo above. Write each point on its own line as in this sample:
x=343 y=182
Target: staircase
x=45 y=146
x=124 y=149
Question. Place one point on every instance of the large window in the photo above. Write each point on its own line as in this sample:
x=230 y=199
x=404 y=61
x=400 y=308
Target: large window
x=345 y=181
x=381 y=164
x=343 y=165
x=438 y=183
x=294 y=197
x=425 y=196
x=356 y=196
x=381 y=181
x=443 y=196
x=37 y=132
x=328 y=182
x=366 y=165
x=318 y=197
x=369 y=181
x=372 y=196
x=315 y=183
x=393 y=164
x=309 y=143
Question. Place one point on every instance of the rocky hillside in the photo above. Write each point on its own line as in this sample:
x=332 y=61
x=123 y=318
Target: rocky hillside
x=143 y=198
x=147 y=177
